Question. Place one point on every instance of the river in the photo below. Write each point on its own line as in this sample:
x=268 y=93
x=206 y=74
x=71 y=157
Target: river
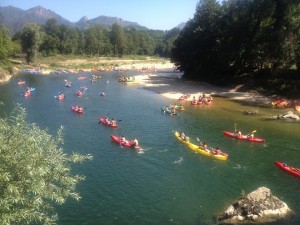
x=166 y=182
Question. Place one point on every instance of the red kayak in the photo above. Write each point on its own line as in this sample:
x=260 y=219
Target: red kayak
x=77 y=109
x=196 y=102
x=108 y=123
x=291 y=170
x=60 y=97
x=127 y=144
x=243 y=137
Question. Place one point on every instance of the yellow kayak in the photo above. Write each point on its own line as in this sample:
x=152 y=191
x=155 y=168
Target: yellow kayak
x=178 y=107
x=197 y=148
x=180 y=139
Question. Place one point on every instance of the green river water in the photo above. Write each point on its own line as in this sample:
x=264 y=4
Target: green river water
x=165 y=183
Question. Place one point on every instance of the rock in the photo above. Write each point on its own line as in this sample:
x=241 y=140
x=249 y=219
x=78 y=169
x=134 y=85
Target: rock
x=4 y=77
x=251 y=112
x=287 y=116
x=260 y=206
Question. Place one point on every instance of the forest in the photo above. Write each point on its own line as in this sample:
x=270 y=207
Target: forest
x=251 y=42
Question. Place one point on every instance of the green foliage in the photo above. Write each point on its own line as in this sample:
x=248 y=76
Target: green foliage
x=239 y=37
x=31 y=38
x=118 y=39
x=52 y=39
x=35 y=173
x=7 y=47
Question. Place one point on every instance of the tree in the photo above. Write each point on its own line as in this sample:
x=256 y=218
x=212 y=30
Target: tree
x=6 y=45
x=31 y=38
x=118 y=39
x=35 y=173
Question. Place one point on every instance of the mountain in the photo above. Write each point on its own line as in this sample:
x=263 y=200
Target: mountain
x=15 y=18
x=106 y=21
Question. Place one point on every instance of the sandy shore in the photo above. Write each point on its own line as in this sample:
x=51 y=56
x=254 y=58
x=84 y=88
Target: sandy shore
x=169 y=84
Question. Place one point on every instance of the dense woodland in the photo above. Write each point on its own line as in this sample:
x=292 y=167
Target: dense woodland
x=255 y=42
x=53 y=38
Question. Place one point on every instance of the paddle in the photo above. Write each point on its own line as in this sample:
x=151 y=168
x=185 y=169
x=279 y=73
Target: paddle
x=199 y=141
x=120 y=140
x=251 y=132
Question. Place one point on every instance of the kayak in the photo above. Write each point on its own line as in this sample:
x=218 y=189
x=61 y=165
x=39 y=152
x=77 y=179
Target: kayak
x=243 y=137
x=60 y=97
x=200 y=150
x=77 y=109
x=82 y=78
x=102 y=120
x=196 y=102
x=31 y=89
x=127 y=144
x=291 y=170
x=208 y=102
x=207 y=152
x=178 y=107
x=297 y=107
x=184 y=97
x=27 y=93
x=79 y=93
x=21 y=82
x=168 y=111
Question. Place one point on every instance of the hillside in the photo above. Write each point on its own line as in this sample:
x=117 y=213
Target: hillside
x=15 y=18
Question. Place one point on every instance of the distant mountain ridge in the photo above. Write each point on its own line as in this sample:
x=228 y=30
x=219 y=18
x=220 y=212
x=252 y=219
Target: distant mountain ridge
x=15 y=18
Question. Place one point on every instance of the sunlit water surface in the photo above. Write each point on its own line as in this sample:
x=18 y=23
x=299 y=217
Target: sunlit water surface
x=165 y=183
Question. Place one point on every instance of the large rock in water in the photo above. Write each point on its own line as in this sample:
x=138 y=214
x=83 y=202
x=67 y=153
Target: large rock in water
x=260 y=206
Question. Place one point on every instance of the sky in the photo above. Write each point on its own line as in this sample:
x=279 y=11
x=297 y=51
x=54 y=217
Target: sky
x=153 y=14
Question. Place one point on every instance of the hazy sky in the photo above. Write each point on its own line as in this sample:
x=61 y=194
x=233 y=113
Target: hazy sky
x=154 y=14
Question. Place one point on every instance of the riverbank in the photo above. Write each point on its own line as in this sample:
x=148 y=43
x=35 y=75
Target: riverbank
x=170 y=84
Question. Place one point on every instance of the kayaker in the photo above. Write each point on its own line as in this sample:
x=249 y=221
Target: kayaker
x=123 y=139
x=182 y=135
x=113 y=122
x=203 y=145
x=239 y=134
x=135 y=143
x=218 y=151
x=251 y=135
x=173 y=111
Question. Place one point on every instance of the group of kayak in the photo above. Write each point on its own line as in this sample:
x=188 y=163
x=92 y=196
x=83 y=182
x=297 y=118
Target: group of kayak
x=216 y=153
x=201 y=100
x=172 y=109
x=121 y=140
